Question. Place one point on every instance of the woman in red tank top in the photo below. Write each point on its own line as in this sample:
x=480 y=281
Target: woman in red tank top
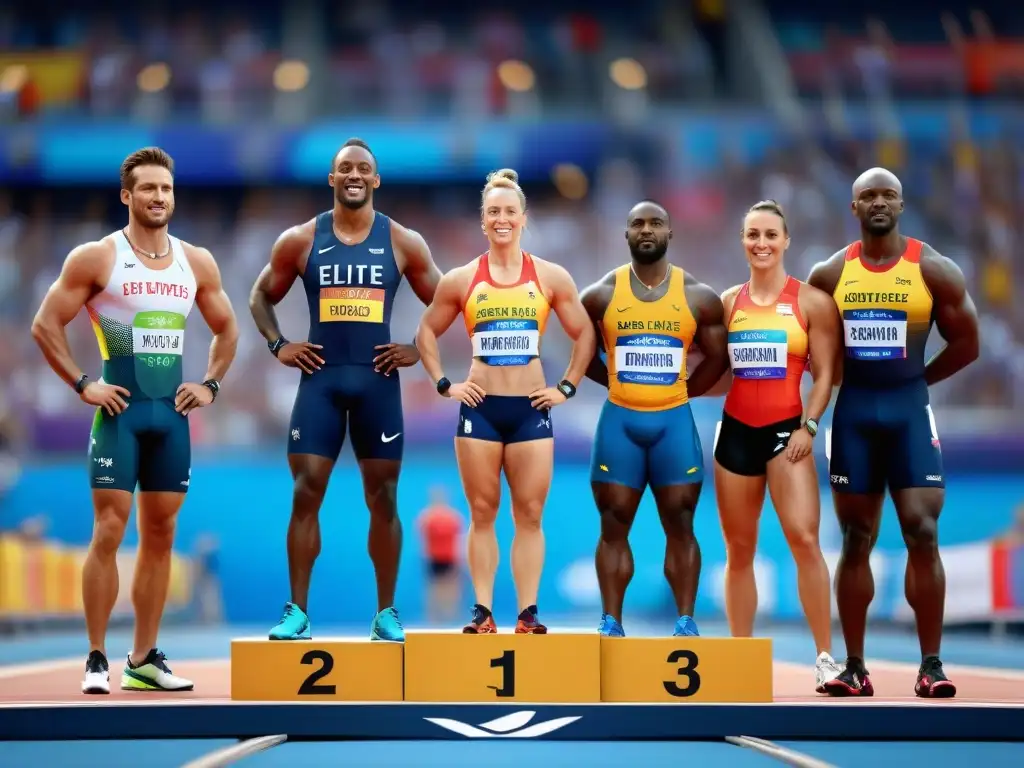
x=776 y=326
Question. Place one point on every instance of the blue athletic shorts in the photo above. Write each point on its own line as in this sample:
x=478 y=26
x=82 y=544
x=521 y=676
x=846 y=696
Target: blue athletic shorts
x=504 y=419
x=646 y=448
x=884 y=437
x=348 y=397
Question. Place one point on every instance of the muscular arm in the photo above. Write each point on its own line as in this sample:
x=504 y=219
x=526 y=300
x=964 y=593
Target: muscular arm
x=438 y=318
x=417 y=264
x=595 y=299
x=575 y=320
x=825 y=277
x=215 y=306
x=276 y=279
x=78 y=281
x=721 y=387
x=956 y=317
x=824 y=340
x=710 y=337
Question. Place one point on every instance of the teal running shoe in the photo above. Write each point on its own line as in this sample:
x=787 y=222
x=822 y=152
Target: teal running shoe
x=610 y=627
x=686 y=627
x=294 y=625
x=387 y=627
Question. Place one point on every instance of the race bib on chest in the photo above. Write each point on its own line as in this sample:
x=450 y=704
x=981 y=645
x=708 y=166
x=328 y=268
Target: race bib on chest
x=351 y=305
x=758 y=354
x=875 y=334
x=506 y=342
x=158 y=340
x=648 y=359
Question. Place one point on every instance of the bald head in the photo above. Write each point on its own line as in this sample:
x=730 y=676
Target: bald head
x=647 y=209
x=648 y=231
x=877 y=201
x=877 y=178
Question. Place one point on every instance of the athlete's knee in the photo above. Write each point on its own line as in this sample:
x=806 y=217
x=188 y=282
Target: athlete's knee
x=483 y=508
x=108 y=530
x=858 y=541
x=740 y=549
x=677 y=521
x=616 y=519
x=921 y=534
x=308 y=493
x=527 y=514
x=804 y=544
x=157 y=534
x=382 y=497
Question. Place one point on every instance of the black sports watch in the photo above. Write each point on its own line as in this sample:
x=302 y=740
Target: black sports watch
x=811 y=425
x=275 y=346
x=443 y=385
x=213 y=385
x=566 y=388
x=81 y=383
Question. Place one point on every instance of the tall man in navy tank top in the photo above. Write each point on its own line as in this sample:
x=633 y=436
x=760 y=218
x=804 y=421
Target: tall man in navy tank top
x=350 y=261
x=890 y=290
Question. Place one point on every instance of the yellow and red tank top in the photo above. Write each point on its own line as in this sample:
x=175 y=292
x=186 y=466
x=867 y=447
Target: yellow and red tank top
x=646 y=344
x=505 y=321
x=768 y=354
x=887 y=316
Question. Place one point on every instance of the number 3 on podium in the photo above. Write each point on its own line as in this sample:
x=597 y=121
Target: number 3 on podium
x=507 y=663
x=311 y=685
x=688 y=671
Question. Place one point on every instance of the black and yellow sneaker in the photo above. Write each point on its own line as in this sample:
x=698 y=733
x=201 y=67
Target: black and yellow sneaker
x=932 y=682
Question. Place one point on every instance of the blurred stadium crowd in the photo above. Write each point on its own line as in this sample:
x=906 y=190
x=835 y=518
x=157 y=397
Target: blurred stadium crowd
x=399 y=61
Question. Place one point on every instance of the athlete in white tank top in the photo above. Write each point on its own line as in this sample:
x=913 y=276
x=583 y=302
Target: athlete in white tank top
x=138 y=286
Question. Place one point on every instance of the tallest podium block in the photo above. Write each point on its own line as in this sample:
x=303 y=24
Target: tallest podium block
x=452 y=667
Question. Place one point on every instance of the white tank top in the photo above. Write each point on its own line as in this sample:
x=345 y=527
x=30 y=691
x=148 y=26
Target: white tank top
x=139 y=320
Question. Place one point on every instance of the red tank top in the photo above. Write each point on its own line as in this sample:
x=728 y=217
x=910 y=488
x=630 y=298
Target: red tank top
x=768 y=356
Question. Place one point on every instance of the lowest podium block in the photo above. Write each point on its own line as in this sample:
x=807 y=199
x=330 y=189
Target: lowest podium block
x=701 y=670
x=451 y=667
x=340 y=669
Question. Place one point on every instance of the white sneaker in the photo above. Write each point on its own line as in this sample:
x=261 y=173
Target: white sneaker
x=97 y=674
x=153 y=674
x=825 y=669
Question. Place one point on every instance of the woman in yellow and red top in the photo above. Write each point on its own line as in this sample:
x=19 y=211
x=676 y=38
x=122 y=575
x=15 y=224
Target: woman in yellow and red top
x=777 y=325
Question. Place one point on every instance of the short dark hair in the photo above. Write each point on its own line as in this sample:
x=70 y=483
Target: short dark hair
x=770 y=206
x=144 y=156
x=356 y=142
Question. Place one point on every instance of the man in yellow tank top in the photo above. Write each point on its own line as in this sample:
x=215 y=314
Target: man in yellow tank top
x=890 y=289
x=648 y=314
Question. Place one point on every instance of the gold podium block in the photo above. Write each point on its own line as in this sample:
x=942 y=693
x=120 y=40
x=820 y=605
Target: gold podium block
x=701 y=670
x=452 y=667
x=328 y=669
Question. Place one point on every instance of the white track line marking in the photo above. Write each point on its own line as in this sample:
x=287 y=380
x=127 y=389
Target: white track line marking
x=236 y=752
x=788 y=756
x=59 y=665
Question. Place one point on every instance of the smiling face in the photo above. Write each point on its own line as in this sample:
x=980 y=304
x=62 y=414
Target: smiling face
x=354 y=177
x=764 y=239
x=151 y=196
x=503 y=216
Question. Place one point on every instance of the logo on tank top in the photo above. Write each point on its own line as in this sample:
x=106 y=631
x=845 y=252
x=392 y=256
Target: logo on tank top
x=348 y=293
x=154 y=288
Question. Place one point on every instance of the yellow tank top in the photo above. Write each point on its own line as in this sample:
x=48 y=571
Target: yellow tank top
x=505 y=322
x=646 y=343
x=887 y=316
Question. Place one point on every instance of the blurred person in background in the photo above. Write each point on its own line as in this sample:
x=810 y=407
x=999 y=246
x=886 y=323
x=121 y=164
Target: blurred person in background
x=890 y=289
x=350 y=261
x=777 y=326
x=441 y=529
x=505 y=296
x=139 y=286
x=646 y=435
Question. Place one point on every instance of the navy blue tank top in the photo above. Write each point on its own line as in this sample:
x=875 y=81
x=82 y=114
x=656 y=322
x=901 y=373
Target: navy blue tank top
x=350 y=290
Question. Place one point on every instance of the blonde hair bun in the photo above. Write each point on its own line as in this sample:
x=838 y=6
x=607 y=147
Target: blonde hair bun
x=504 y=173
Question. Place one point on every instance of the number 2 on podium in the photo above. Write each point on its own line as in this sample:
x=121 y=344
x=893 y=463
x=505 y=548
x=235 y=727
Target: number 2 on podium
x=312 y=686
x=507 y=663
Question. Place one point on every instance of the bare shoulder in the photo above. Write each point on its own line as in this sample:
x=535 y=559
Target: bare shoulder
x=203 y=264
x=812 y=297
x=90 y=261
x=456 y=281
x=406 y=240
x=601 y=288
x=729 y=296
x=549 y=270
x=700 y=294
x=941 y=274
x=298 y=238
x=825 y=274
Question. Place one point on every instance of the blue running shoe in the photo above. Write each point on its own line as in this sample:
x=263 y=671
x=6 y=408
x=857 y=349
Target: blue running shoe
x=610 y=627
x=686 y=627
x=387 y=627
x=294 y=625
